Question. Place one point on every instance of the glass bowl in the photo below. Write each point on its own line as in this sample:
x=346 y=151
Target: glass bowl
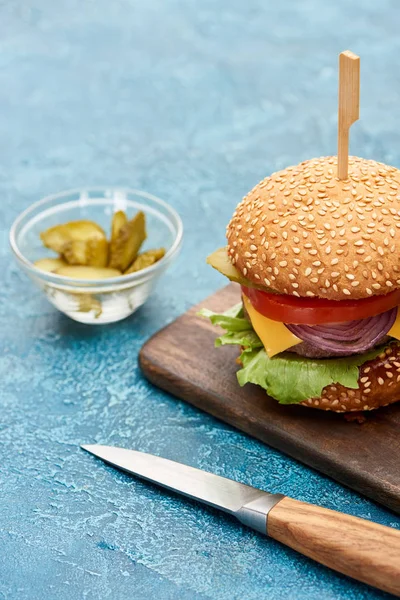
x=96 y=301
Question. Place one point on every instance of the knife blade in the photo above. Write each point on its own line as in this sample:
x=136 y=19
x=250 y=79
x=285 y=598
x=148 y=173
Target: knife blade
x=356 y=547
x=248 y=504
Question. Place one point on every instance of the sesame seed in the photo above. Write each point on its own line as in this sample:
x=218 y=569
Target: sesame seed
x=380 y=381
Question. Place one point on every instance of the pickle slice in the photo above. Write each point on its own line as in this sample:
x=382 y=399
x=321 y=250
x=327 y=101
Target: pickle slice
x=81 y=242
x=87 y=303
x=50 y=264
x=219 y=260
x=92 y=252
x=125 y=246
x=118 y=221
x=146 y=259
x=84 y=272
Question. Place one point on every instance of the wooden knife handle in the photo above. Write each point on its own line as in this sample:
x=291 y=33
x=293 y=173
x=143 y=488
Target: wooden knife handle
x=356 y=547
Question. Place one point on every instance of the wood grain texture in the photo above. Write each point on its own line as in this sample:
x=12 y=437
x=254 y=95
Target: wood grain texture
x=349 y=106
x=182 y=360
x=361 y=549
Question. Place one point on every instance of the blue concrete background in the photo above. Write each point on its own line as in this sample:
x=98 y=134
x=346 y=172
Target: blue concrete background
x=194 y=101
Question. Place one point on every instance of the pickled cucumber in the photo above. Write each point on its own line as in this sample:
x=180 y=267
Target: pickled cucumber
x=219 y=260
x=81 y=242
x=118 y=221
x=125 y=247
x=84 y=272
x=50 y=264
x=92 y=252
x=146 y=259
x=87 y=303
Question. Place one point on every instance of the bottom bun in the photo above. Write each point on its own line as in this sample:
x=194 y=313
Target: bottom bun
x=379 y=385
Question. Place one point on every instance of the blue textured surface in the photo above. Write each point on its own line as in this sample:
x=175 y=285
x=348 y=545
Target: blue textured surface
x=195 y=102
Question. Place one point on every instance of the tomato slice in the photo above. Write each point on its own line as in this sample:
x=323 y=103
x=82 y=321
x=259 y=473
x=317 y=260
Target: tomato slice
x=312 y=311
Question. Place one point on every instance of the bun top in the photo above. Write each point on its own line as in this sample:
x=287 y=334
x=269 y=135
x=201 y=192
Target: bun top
x=304 y=232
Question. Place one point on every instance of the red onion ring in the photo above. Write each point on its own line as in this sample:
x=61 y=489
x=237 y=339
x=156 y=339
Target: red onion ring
x=350 y=337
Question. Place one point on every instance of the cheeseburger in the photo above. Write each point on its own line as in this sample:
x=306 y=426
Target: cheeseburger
x=317 y=259
x=315 y=249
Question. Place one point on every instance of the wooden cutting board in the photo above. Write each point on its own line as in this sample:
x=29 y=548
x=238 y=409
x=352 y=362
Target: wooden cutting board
x=182 y=360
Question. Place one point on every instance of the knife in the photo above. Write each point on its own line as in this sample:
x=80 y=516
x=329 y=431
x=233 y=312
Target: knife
x=361 y=549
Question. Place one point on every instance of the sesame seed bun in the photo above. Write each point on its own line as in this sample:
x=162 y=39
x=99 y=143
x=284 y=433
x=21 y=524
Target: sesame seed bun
x=304 y=232
x=379 y=385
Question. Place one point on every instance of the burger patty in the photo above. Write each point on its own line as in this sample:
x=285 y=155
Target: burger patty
x=310 y=351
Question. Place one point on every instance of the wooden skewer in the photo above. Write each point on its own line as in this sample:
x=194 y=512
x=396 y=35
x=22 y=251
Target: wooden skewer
x=349 y=106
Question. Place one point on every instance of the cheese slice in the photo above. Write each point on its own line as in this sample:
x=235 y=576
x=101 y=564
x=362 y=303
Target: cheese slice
x=395 y=330
x=274 y=335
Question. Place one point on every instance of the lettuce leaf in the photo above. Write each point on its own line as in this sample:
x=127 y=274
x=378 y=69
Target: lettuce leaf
x=231 y=320
x=290 y=379
x=249 y=339
x=287 y=377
